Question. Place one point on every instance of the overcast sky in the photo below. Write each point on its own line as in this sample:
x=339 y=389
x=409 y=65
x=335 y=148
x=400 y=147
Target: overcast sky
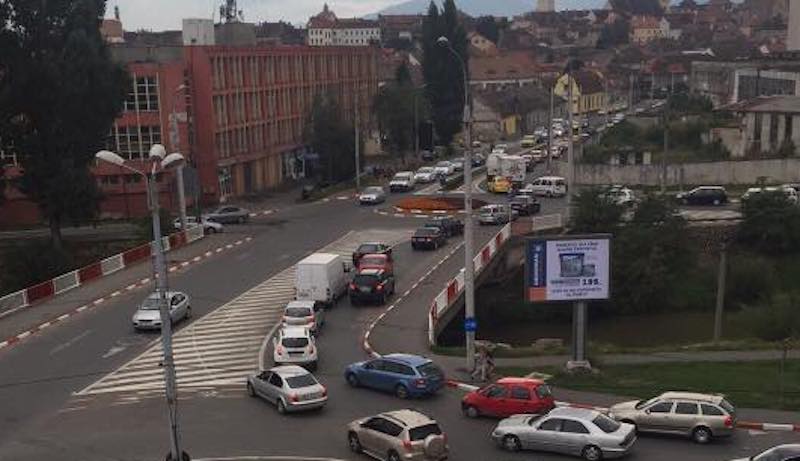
x=167 y=14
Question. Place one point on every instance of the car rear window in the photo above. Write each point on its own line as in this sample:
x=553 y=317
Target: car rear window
x=606 y=424
x=711 y=410
x=422 y=432
x=368 y=248
x=298 y=312
x=727 y=406
x=429 y=369
x=544 y=391
x=372 y=261
x=296 y=382
x=365 y=280
x=426 y=232
x=294 y=342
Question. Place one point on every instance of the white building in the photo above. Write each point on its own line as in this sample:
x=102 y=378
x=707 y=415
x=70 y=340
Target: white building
x=545 y=5
x=793 y=42
x=325 y=29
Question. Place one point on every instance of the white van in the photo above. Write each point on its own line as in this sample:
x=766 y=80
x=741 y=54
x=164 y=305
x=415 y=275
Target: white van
x=493 y=165
x=321 y=277
x=549 y=186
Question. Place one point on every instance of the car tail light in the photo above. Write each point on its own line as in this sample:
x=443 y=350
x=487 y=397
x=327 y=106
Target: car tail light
x=293 y=398
x=728 y=422
x=379 y=287
x=279 y=350
x=407 y=445
x=313 y=317
x=310 y=349
x=324 y=391
x=420 y=382
x=353 y=286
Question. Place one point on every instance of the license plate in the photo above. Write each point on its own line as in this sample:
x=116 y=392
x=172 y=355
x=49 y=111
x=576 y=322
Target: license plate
x=365 y=289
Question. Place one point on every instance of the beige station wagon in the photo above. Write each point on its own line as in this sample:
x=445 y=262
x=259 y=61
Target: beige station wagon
x=699 y=416
x=398 y=435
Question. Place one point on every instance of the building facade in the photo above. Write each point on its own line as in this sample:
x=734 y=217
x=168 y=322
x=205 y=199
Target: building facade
x=645 y=29
x=767 y=124
x=588 y=91
x=793 y=41
x=325 y=29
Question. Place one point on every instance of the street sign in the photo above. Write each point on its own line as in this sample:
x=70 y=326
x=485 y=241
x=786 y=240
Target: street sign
x=568 y=268
x=470 y=325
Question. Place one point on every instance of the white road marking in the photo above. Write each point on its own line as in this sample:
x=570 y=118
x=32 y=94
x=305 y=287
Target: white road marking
x=113 y=351
x=223 y=347
x=69 y=343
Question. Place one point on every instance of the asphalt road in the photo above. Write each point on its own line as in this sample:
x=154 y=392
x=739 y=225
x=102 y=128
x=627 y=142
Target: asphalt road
x=42 y=419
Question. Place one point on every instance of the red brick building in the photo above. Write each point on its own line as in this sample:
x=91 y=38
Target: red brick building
x=240 y=113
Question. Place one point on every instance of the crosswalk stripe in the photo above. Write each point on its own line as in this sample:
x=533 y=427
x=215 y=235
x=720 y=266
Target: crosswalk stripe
x=221 y=348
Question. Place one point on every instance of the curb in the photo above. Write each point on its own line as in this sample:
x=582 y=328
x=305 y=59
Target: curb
x=421 y=214
x=12 y=340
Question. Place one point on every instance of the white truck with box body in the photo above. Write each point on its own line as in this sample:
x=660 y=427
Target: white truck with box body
x=493 y=165
x=513 y=168
x=322 y=278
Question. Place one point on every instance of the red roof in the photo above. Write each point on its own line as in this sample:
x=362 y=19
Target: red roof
x=645 y=22
x=506 y=66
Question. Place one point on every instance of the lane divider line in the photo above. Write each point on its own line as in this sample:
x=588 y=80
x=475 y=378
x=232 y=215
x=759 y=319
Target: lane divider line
x=141 y=283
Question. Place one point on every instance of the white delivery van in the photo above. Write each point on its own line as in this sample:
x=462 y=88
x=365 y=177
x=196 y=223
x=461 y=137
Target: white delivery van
x=493 y=165
x=321 y=277
x=513 y=168
x=549 y=186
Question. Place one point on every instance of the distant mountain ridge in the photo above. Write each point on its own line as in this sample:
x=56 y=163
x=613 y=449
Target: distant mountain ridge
x=500 y=7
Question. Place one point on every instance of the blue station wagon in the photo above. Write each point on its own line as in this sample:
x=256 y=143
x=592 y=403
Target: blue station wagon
x=404 y=375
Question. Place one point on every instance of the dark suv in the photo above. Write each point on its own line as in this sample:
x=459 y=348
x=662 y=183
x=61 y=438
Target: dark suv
x=449 y=225
x=525 y=205
x=371 y=248
x=704 y=195
x=428 y=237
x=371 y=285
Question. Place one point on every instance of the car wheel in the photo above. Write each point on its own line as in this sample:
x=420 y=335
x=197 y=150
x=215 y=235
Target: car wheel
x=353 y=442
x=281 y=407
x=241 y=220
x=393 y=456
x=511 y=443
x=592 y=453
x=250 y=391
x=471 y=412
x=352 y=380
x=211 y=230
x=401 y=392
x=701 y=435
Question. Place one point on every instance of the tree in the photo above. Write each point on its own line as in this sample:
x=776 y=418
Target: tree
x=487 y=26
x=595 y=212
x=443 y=73
x=59 y=96
x=332 y=138
x=615 y=34
x=770 y=224
x=394 y=108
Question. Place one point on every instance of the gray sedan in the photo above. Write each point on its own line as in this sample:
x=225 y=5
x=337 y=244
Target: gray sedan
x=779 y=453
x=289 y=387
x=572 y=431
x=229 y=215
x=372 y=195
x=148 y=316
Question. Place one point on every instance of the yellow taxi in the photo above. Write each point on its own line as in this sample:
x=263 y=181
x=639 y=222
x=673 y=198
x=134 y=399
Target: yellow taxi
x=499 y=185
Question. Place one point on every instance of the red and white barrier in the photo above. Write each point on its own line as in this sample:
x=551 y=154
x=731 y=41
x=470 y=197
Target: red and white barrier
x=71 y=280
x=448 y=296
x=768 y=427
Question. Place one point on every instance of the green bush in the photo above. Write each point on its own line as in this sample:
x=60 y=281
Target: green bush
x=770 y=224
x=749 y=277
x=777 y=319
x=31 y=263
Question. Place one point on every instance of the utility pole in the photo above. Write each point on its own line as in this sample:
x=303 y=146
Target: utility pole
x=416 y=125
x=550 y=126
x=630 y=94
x=666 y=150
x=570 y=144
x=721 y=276
x=358 y=141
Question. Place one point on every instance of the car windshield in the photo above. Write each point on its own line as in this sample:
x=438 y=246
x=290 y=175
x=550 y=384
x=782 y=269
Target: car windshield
x=606 y=424
x=424 y=170
x=643 y=403
x=426 y=232
x=402 y=176
x=150 y=304
x=296 y=382
x=422 y=432
x=443 y=164
x=368 y=248
x=372 y=261
x=429 y=369
x=365 y=280
x=373 y=190
x=298 y=312
x=295 y=342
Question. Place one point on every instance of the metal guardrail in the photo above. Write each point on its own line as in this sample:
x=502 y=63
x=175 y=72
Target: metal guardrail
x=66 y=282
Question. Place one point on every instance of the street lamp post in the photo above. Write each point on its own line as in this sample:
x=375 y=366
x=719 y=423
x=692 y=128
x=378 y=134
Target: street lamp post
x=175 y=140
x=469 y=268
x=158 y=159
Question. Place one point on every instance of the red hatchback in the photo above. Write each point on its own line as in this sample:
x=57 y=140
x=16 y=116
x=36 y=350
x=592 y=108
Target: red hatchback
x=509 y=396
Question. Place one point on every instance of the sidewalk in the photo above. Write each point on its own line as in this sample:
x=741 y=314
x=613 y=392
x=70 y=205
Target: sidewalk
x=125 y=280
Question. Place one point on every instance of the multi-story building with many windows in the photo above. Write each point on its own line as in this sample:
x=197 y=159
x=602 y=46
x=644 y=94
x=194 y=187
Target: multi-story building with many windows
x=325 y=29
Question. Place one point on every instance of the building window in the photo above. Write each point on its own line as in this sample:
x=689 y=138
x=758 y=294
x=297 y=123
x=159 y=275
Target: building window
x=789 y=131
x=143 y=96
x=133 y=142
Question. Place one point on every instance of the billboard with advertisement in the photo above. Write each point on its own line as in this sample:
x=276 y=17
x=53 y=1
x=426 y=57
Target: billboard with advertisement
x=568 y=268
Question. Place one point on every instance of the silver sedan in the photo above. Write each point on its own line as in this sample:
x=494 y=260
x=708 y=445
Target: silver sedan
x=573 y=431
x=148 y=316
x=289 y=387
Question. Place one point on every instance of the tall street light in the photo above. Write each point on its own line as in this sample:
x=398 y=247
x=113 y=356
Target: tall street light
x=469 y=268
x=175 y=140
x=160 y=161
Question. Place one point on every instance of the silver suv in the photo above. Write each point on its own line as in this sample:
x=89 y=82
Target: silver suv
x=700 y=416
x=398 y=435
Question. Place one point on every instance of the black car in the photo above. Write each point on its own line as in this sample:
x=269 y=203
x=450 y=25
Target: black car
x=371 y=248
x=428 y=237
x=371 y=285
x=449 y=225
x=478 y=160
x=704 y=195
x=428 y=156
x=525 y=205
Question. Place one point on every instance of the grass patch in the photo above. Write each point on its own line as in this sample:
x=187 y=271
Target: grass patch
x=746 y=384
